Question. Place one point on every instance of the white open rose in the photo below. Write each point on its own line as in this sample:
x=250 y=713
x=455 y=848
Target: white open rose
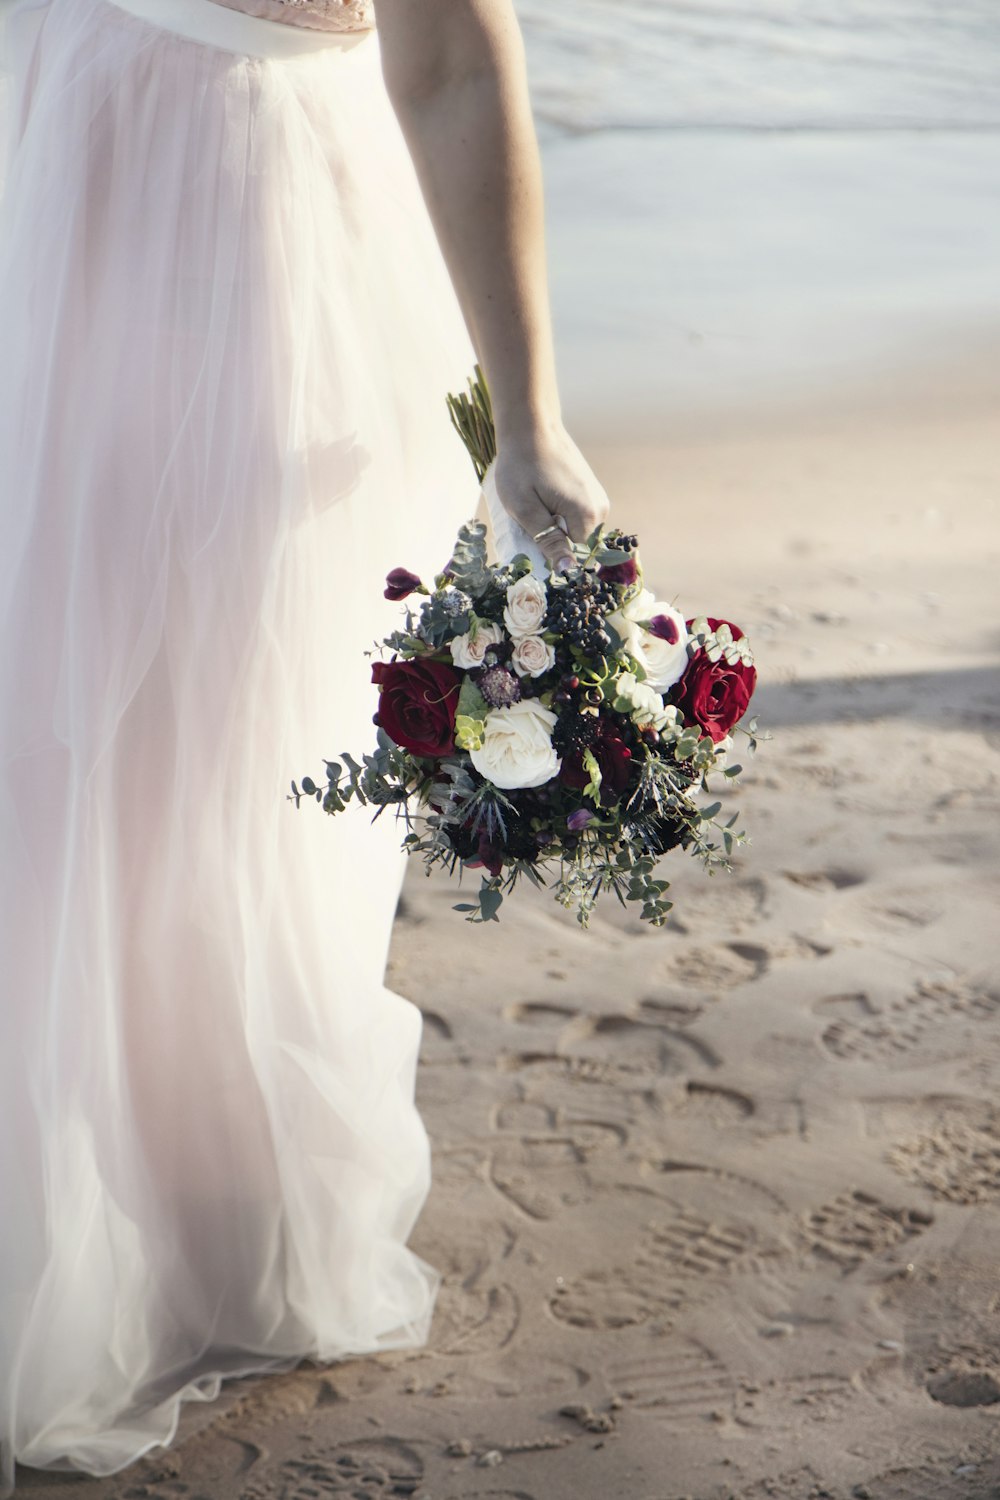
x=468 y=650
x=517 y=749
x=646 y=706
x=526 y=604
x=532 y=656
x=662 y=652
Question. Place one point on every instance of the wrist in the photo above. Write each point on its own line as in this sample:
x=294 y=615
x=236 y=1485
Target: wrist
x=527 y=427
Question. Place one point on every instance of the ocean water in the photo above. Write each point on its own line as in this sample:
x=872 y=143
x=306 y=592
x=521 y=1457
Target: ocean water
x=764 y=64
x=754 y=209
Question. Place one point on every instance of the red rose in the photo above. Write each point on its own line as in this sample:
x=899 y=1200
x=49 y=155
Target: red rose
x=399 y=583
x=487 y=856
x=613 y=757
x=624 y=572
x=714 y=694
x=417 y=703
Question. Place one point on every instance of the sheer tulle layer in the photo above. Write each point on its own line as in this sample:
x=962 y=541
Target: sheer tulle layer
x=227 y=336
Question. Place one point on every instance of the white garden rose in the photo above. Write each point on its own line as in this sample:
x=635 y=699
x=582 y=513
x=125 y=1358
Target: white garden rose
x=526 y=604
x=646 y=706
x=532 y=656
x=517 y=749
x=664 y=657
x=468 y=650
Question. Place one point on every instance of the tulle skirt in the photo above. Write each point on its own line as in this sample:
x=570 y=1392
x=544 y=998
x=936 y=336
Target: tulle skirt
x=227 y=335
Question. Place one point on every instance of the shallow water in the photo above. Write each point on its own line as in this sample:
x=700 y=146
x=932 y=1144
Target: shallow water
x=769 y=205
x=764 y=64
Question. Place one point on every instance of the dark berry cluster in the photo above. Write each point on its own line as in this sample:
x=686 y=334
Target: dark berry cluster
x=575 y=731
x=579 y=611
x=622 y=541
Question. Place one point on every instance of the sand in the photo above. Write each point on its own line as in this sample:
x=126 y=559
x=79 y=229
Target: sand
x=718 y=1206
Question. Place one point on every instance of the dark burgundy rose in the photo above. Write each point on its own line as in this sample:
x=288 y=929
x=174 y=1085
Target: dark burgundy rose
x=400 y=583
x=487 y=856
x=613 y=757
x=624 y=572
x=417 y=703
x=714 y=694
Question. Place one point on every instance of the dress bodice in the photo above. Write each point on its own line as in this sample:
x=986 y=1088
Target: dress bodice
x=320 y=15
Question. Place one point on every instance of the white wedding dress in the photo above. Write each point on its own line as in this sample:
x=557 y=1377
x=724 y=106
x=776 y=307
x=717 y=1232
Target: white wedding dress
x=227 y=336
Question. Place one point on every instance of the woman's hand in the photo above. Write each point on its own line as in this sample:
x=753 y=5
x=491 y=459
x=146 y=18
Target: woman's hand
x=542 y=477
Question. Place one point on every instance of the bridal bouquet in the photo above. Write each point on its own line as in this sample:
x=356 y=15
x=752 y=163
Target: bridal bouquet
x=564 y=724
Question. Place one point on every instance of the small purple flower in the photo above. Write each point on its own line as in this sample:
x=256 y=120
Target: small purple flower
x=665 y=628
x=579 y=818
x=499 y=686
x=400 y=583
x=624 y=572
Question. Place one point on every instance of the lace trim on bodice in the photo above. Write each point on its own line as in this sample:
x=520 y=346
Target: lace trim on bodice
x=321 y=15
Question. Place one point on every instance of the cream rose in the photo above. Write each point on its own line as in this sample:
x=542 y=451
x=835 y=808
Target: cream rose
x=532 y=656
x=526 y=604
x=468 y=650
x=663 y=656
x=645 y=704
x=517 y=749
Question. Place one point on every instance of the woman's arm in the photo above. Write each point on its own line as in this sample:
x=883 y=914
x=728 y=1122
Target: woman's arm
x=455 y=73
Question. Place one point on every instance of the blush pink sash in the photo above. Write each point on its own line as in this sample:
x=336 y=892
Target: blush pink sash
x=232 y=31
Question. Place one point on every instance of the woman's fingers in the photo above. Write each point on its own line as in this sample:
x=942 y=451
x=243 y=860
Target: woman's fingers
x=535 y=517
x=551 y=485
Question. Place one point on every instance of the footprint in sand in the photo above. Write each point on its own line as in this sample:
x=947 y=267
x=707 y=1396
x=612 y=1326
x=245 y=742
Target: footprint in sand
x=636 y=1044
x=714 y=1104
x=791 y=1484
x=672 y=1012
x=735 y=902
x=475 y=1320
x=628 y=1050
x=541 y=1161
x=855 y=1006
x=368 y=1469
x=957 y=1157
x=504 y=1495
x=716 y=1191
x=611 y=1298
x=964 y=1388
x=726 y=1109
x=689 y=1243
x=958 y=1478
x=720 y=967
x=854 y=1226
x=791 y=1403
x=681 y=1383
x=825 y=881
x=930 y=1025
x=904 y=913
x=542 y=1175
x=726 y=965
x=539 y=1013
x=944 y=1317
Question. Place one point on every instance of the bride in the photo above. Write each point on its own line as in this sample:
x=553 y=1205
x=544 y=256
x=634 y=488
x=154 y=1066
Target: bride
x=247 y=246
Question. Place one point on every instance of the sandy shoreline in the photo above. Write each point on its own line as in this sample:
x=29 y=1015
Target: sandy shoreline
x=718 y=1207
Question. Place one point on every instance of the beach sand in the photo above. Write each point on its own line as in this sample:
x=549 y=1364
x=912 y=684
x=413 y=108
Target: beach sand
x=718 y=1205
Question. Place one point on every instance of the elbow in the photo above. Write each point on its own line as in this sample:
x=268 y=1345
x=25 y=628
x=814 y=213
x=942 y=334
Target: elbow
x=463 y=55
